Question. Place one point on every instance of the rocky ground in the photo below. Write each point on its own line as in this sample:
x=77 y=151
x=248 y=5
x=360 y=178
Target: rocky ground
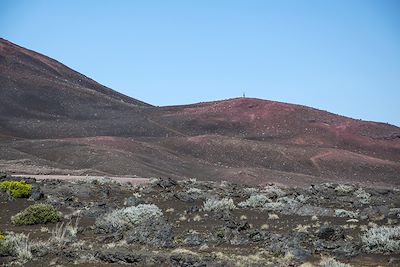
x=196 y=223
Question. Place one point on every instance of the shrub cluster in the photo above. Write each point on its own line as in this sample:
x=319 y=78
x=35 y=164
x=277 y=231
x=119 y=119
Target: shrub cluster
x=194 y=190
x=36 y=214
x=214 y=204
x=331 y=262
x=345 y=213
x=344 y=189
x=273 y=191
x=15 y=245
x=382 y=239
x=255 y=201
x=277 y=204
x=17 y=189
x=274 y=206
x=363 y=196
x=130 y=216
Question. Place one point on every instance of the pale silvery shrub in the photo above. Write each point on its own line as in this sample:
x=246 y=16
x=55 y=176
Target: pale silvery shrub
x=363 y=196
x=194 y=191
x=273 y=191
x=16 y=245
x=251 y=190
x=214 y=204
x=344 y=189
x=382 y=239
x=274 y=206
x=345 y=213
x=331 y=262
x=302 y=199
x=255 y=201
x=130 y=216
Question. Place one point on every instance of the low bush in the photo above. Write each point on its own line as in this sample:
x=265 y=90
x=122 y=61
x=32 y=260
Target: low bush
x=214 y=204
x=363 y=196
x=344 y=189
x=251 y=190
x=194 y=190
x=15 y=245
x=382 y=239
x=273 y=191
x=17 y=189
x=286 y=204
x=36 y=214
x=331 y=262
x=128 y=217
x=345 y=213
x=274 y=206
x=255 y=201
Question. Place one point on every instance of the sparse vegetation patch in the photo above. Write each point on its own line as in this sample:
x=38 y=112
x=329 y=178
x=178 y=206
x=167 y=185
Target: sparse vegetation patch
x=363 y=196
x=273 y=191
x=130 y=216
x=331 y=262
x=382 y=239
x=17 y=189
x=36 y=214
x=214 y=204
x=344 y=189
x=180 y=223
x=345 y=213
x=255 y=201
x=16 y=245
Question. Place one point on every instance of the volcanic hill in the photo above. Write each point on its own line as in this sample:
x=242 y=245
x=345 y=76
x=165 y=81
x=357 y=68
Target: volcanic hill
x=54 y=120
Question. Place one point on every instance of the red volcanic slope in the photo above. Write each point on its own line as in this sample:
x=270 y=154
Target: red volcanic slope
x=284 y=123
x=255 y=133
x=55 y=120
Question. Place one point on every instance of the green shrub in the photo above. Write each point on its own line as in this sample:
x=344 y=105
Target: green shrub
x=35 y=214
x=1 y=236
x=17 y=189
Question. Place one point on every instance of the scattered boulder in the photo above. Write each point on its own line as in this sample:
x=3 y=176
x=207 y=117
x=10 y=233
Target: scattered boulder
x=155 y=233
x=166 y=183
x=193 y=239
x=331 y=233
x=37 y=193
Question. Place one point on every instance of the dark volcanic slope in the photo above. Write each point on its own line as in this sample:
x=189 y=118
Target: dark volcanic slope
x=55 y=120
x=41 y=98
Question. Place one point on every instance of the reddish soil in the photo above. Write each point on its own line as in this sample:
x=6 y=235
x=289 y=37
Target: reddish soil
x=54 y=120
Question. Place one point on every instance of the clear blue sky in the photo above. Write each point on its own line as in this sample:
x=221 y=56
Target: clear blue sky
x=341 y=56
